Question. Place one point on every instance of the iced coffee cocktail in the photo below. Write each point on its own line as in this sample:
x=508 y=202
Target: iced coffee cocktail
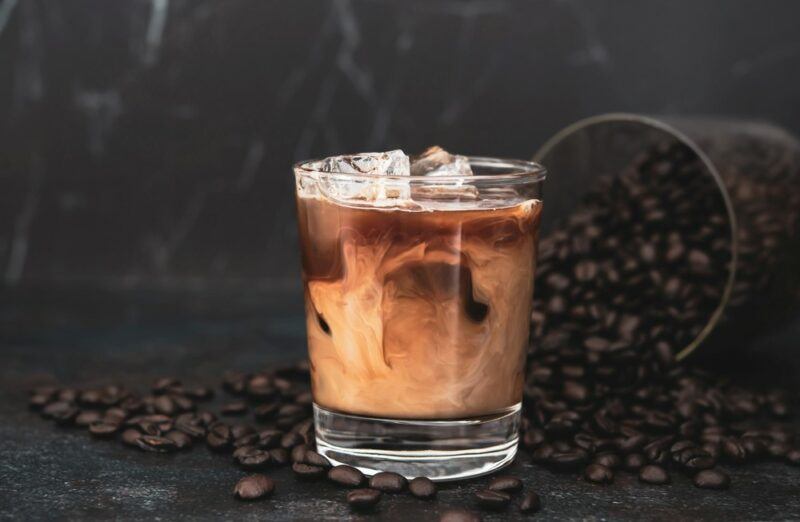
x=418 y=282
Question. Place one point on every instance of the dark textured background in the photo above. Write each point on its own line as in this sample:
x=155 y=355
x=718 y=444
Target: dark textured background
x=147 y=221
x=150 y=141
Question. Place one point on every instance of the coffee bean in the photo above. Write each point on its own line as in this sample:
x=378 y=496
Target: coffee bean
x=131 y=437
x=793 y=457
x=103 y=429
x=199 y=393
x=506 y=483
x=459 y=515
x=39 y=401
x=598 y=474
x=315 y=459
x=163 y=384
x=388 y=482
x=253 y=487
x=566 y=460
x=362 y=499
x=493 y=500
x=422 y=487
x=156 y=443
x=279 y=456
x=530 y=503
x=609 y=460
x=306 y=472
x=652 y=474
x=712 y=479
x=346 y=476
x=298 y=453
x=291 y=440
x=63 y=412
x=181 y=440
x=87 y=417
x=634 y=461
x=234 y=408
x=254 y=459
x=266 y=411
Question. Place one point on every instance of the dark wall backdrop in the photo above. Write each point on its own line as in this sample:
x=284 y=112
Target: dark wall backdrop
x=150 y=141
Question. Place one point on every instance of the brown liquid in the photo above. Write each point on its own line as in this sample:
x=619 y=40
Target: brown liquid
x=417 y=314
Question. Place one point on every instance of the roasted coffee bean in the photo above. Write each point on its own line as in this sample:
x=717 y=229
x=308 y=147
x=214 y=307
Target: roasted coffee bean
x=254 y=459
x=103 y=429
x=165 y=405
x=291 y=440
x=315 y=459
x=253 y=487
x=459 y=515
x=388 y=482
x=234 y=382
x=219 y=437
x=242 y=451
x=266 y=411
x=363 y=499
x=270 y=438
x=298 y=453
x=239 y=431
x=182 y=403
x=530 y=503
x=777 y=449
x=199 y=393
x=60 y=411
x=87 y=417
x=533 y=438
x=506 y=483
x=156 y=443
x=181 y=440
x=598 y=474
x=279 y=456
x=234 y=408
x=566 y=460
x=733 y=450
x=346 y=476
x=493 y=500
x=307 y=472
x=634 y=461
x=422 y=487
x=164 y=384
x=712 y=479
x=609 y=460
x=652 y=474
x=39 y=401
x=793 y=457
x=131 y=437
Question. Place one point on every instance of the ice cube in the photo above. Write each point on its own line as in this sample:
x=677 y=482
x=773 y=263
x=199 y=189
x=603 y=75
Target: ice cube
x=392 y=163
x=378 y=190
x=435 y=161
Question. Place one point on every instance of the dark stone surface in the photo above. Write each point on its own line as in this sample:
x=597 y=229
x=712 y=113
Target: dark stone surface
x=77 y=335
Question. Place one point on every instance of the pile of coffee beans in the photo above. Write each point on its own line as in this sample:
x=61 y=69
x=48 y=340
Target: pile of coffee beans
x=633 y=276
x=173 y=417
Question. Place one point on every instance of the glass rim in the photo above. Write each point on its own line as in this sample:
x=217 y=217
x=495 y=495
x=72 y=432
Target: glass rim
x=519 y=171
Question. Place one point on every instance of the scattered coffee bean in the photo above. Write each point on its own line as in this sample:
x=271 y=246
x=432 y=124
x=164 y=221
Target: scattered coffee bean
x=234 y=408
x=87 y=417
x=181 y=440
x=156 y=443
x=712 y=479
x=103 y=429
x=315 y=459
x=422 y=487
x=306 y=472
x=494 y=500
x=598 y=474
x=506 y=483
x=530 y=503
x=388 y=482
x=652 y=474
x=346 y=476
x=131 y=437
x=459 y=515
x=362 y=499
x=253 y=487
x=634 y=461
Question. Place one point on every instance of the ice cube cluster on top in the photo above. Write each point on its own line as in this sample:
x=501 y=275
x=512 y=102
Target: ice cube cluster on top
x=379 y=178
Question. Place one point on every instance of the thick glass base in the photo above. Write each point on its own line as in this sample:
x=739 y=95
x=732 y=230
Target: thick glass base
x=437 y=449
